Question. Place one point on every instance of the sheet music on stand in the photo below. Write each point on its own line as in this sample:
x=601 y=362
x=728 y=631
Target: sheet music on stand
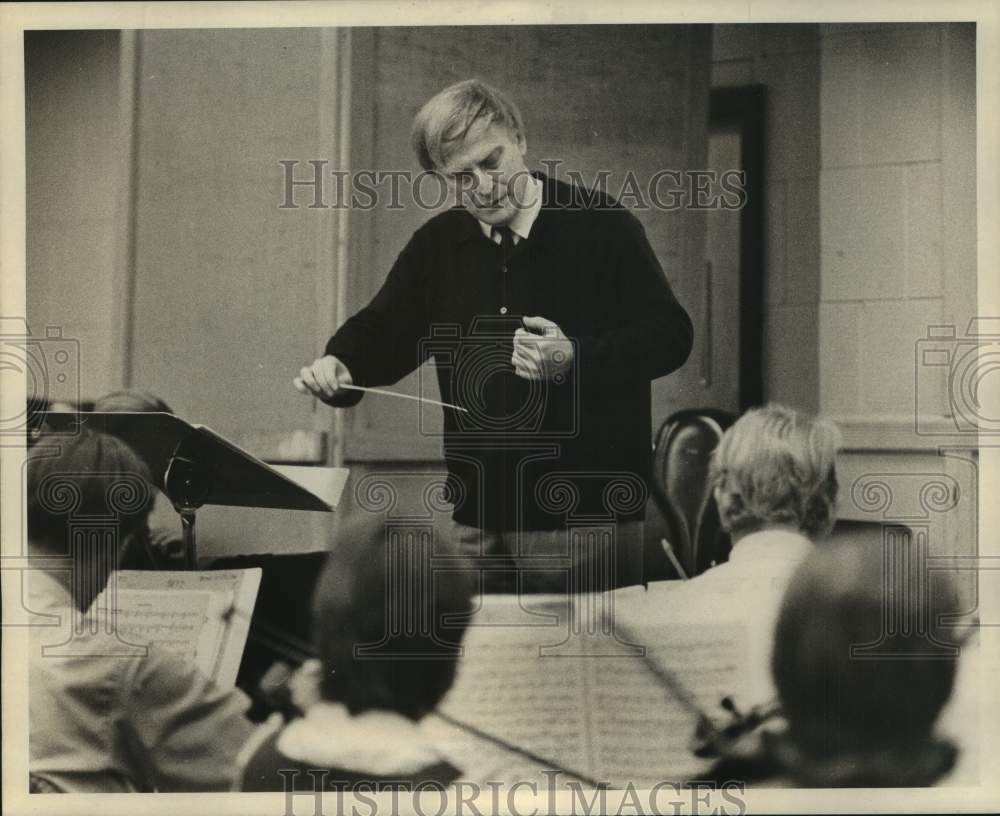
x=201 y=616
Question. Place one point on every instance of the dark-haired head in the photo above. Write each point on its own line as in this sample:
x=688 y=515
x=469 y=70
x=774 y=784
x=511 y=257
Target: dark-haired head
x=129 y=400
x=381 y=623
x=90 y=481
x=863 y=666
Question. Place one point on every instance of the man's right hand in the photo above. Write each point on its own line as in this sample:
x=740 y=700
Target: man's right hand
x=324 y=379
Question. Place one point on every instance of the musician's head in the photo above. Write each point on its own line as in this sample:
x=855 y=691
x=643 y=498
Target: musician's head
x=89 y=495
x=863 y=666
x=473 y=136
x=131 y=400
x=380 y=618
x=776 y=467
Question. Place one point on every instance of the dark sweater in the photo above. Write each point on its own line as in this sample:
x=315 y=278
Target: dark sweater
x=452 y=294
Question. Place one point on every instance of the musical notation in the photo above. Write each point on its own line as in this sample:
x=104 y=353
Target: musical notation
x=201 y=616
x=612 y=719
x=187 y=623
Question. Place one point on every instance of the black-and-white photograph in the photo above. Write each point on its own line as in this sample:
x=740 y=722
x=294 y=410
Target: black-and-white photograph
x=527 y=414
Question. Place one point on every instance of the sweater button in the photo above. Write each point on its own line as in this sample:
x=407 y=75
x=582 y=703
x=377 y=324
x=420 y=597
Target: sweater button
x=503 y=310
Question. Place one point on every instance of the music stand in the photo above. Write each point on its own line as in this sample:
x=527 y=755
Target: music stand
x=194 y=466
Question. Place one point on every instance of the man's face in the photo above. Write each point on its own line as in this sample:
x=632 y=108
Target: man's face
x=488 y=173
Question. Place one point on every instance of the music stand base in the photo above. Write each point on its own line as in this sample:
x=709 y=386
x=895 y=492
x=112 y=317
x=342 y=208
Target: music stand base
x=187 y=532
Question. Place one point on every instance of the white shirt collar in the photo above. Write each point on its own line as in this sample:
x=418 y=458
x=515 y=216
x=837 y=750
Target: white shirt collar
x=524 y=218
x=376 y=741
x=782 y=544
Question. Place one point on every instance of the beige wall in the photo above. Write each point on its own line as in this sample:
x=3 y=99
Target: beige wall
x=870 y=239
x=870 y=224
x=77 y=156
x=231 y=294
x=897 y=196
x=897 y=203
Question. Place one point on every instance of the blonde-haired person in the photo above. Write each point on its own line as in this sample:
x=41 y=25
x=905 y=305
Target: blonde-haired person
x=445 y=120
x=775 y=469
x=775 y=482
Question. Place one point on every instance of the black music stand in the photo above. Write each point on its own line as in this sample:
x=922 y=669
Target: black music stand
x=194 y=466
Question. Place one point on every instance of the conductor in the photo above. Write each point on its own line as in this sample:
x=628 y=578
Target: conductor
x=547 y=315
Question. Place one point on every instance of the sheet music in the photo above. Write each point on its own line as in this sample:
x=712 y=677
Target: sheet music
x=643 y=726
x=607 y=716
x=492 y=763
x=185 y=623
x=505 y=688
x=203 y=580
x=751 y=604
x=203 y=616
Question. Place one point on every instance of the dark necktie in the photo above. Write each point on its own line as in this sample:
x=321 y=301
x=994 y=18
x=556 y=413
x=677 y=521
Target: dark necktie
x=506 y=239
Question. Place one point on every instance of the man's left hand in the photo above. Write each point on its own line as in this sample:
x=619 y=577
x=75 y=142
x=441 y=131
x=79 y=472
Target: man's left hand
x=542 y=351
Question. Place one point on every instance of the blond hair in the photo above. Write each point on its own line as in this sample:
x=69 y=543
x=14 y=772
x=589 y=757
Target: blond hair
x=448 y=116
x=776 y=466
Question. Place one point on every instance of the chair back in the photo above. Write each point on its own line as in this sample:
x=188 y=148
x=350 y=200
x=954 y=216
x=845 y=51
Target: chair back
x=682 y=452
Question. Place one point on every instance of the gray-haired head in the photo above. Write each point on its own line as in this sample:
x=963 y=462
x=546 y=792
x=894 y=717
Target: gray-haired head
x=775 y=466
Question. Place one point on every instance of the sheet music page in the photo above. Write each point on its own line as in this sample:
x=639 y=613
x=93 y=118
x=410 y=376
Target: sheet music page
x=506 y=688
x=185 y=623
x=204 y=616
x=644 y=709
x=598 y=705
x=751 y=605
x=480 y=760
x=204 y=580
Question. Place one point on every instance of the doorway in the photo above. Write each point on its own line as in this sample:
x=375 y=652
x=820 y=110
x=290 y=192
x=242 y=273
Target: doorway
x=731 y=364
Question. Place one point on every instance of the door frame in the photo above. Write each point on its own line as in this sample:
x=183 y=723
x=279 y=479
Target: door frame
x=743 y=109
